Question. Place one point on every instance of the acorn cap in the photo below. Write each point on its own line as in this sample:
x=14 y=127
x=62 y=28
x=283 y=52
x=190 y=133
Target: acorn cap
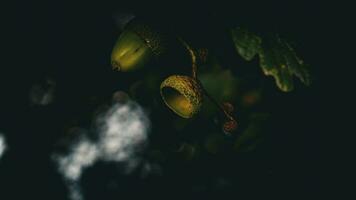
x=182 y=94
x=153 y=38
x=138 y=44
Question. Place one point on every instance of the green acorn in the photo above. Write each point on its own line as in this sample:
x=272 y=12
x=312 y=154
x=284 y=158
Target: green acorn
x=182 y=94
x=137 y=45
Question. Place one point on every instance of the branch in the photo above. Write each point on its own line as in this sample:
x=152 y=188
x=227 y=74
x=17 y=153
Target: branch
x=195 y=77
x=193 y=56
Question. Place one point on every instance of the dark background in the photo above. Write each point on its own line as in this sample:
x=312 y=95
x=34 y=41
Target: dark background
x=72 y=41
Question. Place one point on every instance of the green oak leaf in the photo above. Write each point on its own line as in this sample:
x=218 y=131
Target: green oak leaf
x=246 y=43
x=277 y=57
x=279 y=60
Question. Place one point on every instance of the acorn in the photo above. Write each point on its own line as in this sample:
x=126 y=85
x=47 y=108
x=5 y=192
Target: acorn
x=137 y=45
x=228 y=107
x=182 y=94
x=230 y=126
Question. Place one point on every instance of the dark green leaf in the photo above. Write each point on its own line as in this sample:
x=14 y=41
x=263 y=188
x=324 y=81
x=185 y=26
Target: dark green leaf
x=246 y=43
x=278 y=59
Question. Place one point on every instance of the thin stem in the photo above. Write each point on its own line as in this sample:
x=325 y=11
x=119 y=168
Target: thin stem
x=221 y=108
x=193 y=56
x=195 y=77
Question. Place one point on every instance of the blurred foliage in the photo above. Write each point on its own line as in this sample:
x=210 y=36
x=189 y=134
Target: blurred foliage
x=253 y=134
x=214 y=143
x=220 y=83
x=251 y=98
x=188 y=151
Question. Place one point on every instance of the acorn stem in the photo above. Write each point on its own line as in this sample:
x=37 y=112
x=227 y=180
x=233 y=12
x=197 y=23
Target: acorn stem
x=193 y=56
x=195 y=76
x=218 y=105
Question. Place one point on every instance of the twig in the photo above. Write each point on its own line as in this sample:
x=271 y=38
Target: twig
x=193 y=56
x=195 y=77
x=220 y=107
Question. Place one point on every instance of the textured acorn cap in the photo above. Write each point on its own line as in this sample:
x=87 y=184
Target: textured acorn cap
x=152 y=37
x=182 y=94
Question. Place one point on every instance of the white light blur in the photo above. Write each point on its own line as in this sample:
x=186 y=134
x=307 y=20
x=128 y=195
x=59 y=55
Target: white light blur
x=3 y=146
x=83 y=154
x=122 y=135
